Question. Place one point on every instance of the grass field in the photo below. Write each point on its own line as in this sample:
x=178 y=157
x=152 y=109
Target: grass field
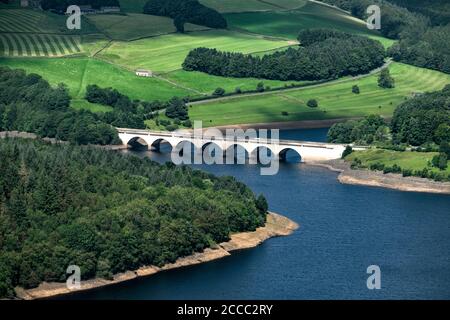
x=206 y=84
x=33 y=33
x=37 y=21
x=287 y=24
x=38 y=45
x=406 y=160
x=336 y=100
x=79 y=72
x=82 y=104
x=134 y=25
x=226 y=6
x=167 y=53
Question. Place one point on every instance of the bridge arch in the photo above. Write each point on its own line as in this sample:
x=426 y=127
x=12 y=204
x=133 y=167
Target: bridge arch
x=290 y=155
x=261 y=154
x=237 y=153
x=212 y=151
x=137 y=143
x=161 y=145
x=186 y=146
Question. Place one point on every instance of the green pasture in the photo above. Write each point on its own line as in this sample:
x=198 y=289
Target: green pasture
x=37 y=21
x=82 y=104
x=76 y=73
x=335 y=99
x=206 y=84
x=38 y=45
x=287 y=24
x=226 y=6
x=167 y=53
x=135 y=25
x=406 y=160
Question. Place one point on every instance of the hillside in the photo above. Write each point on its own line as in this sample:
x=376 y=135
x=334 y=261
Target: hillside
x=111 y=46
x=336 y=100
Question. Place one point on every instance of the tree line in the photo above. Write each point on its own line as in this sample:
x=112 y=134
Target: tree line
x=330 y=58
x=28 y=103
x=60 y=6
x=184 y=11
x=420 y=121
x=424 y=35
x=132 y=113
x=107 y=212
x=396 y=20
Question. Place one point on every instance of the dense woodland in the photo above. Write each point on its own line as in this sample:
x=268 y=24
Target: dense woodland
x=420 y=121
x=320 y=59
x=395 y=20
x=423 y=119
x=132 y=113
x=437 y=10
x=183 y=11
x=28 y=103
x=424 y=35
x=107 y=212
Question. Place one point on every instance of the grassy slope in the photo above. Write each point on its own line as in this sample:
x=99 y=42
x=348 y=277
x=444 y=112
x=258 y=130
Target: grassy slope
x=406 y=160
x=225 y=6
x=79 y=72
x=206 y=84
x=134 y=25
x=27 y=20
x=287 y=24
x=167 y=53
x=335 y=100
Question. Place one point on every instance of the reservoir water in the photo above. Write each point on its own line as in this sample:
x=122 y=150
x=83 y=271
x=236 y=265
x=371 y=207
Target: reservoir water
x=343 y=230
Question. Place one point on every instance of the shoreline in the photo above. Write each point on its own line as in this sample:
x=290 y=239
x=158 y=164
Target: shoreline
x=391 y=181
x=276 y=226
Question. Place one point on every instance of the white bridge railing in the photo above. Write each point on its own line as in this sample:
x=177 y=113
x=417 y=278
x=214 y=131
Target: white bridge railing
x=191 y=136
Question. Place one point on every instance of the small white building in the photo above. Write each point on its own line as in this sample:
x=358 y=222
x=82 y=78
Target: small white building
x=24 y=3
x=109 y=9
x=143 y=73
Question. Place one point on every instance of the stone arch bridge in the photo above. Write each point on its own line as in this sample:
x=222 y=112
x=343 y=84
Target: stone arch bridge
x=308 y=151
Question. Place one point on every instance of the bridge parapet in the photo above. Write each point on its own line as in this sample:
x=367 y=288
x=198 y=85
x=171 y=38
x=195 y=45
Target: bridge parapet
x=309 y=151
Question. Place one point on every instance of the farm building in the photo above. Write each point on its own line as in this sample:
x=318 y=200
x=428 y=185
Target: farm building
x=109 y=9
x=30 y=3
x=144 y=73
x=87 y=9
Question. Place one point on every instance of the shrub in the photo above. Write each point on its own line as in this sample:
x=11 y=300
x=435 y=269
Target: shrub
x=355 y=89
x=187 y=123
x=440 y=161
x=348 y=150
x=164 y=122
x=284 y=113
x=377 y=166
x=385 y=80
x=312 y=103
x=219 y=92
x=238 y=90
x=171 y=127
x=260 y=87
x=407 y=172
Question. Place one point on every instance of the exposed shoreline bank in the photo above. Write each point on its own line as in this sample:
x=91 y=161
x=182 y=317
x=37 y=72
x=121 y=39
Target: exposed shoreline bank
x=276 y=225
x=379 y=179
